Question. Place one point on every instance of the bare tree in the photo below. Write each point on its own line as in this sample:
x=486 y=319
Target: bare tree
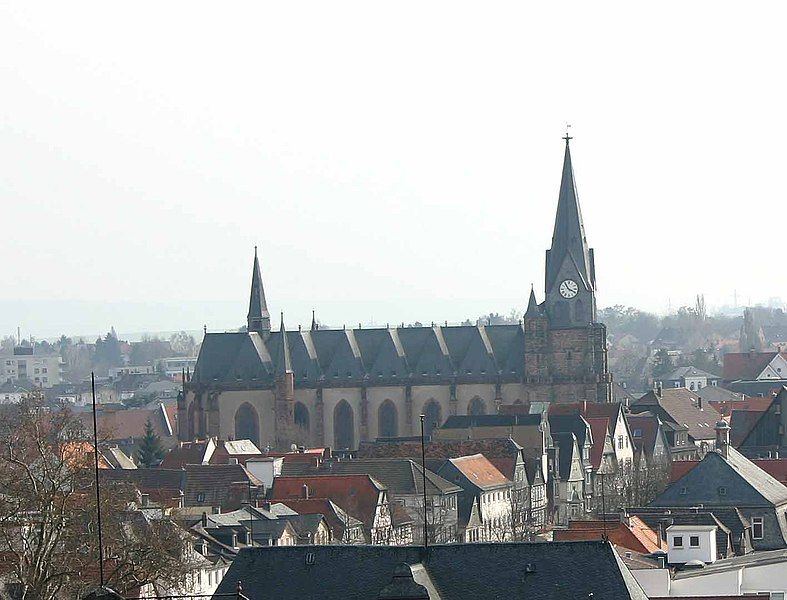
x=633 y=484
x=48 y=514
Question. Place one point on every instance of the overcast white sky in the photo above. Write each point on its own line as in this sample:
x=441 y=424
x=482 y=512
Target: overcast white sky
x=393 y=161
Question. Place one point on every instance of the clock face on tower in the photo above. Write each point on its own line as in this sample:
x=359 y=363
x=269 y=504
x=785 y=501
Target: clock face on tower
x=569 y=288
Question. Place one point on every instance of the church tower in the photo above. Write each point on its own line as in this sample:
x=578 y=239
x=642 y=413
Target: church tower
x=570 y=269
x=258 y=319
x=565 y=348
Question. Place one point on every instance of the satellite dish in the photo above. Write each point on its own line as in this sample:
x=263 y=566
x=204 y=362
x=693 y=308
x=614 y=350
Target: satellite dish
x=293 y=447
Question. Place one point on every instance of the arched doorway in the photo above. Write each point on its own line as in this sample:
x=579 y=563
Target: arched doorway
x=387 y=420
x=476 y=407
x=343 y=426
x=434 y=416
x=247 y=424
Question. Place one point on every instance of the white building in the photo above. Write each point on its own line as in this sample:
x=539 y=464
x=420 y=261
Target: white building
x=265 y=468
x=756 y=572
x=42 y=370
x=174 y=366
x=117 y=372
x=691 y=543
x=11 y=393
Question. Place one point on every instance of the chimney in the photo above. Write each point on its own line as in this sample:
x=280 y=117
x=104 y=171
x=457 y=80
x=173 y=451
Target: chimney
x=233 y=461
x=699 y=402
x=145 y=499
x=204 y=519
x=305 y=492
x=723 y=438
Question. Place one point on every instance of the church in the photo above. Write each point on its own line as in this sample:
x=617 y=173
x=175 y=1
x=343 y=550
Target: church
x=339 y=387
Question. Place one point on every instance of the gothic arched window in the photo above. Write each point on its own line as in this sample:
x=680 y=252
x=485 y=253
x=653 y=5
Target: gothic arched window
x=247 y=424
x=434 y=416
x=476 y=407
x=343 y=426
x=301 y=417
x=388 y=422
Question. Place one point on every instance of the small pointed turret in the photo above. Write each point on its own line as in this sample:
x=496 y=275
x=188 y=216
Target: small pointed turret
x=283 y=364
x=532 y=305
x=314 y=321
x=259 y=318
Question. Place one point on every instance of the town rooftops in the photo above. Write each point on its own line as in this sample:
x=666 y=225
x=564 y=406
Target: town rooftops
x=553 y=571
x=399 y=475
x=480 y=472
x=685 y=408
x=443 y=449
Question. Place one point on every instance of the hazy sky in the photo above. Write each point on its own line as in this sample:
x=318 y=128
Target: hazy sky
x=393 y=161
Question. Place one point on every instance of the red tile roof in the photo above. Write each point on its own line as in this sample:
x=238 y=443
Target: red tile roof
x=746 y=365
x=333 y=513
x=635 y=536
x=752 y=403
x=185 y=453
x=480 y=471
x=359 y=495
x=130 y=423
x=595 y=410
x=599 y=428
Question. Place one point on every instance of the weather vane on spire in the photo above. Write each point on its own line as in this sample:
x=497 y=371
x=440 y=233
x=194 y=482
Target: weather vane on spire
x=567 y=137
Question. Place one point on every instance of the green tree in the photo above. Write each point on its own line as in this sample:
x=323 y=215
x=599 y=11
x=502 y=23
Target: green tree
x=150 y=451
x=662 y=363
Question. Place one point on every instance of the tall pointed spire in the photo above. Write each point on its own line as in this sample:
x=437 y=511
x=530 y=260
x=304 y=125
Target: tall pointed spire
x=532 y=305
x=568 y=238
x=259 y=318
x=283 y=363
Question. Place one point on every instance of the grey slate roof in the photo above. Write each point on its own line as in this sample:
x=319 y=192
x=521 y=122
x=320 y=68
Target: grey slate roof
x=746 y=484
x=560 y=570
x=481 y=353
x=258 y=317
x=681 y=372
x=499 y=420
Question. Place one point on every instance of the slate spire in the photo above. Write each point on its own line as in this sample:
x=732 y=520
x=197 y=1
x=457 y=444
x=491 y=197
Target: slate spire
x=532 y=305
x=282 y=360
x=259 y=318
x=568 y=238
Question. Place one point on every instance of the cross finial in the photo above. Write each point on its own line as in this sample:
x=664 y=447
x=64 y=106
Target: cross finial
x=567 y=137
